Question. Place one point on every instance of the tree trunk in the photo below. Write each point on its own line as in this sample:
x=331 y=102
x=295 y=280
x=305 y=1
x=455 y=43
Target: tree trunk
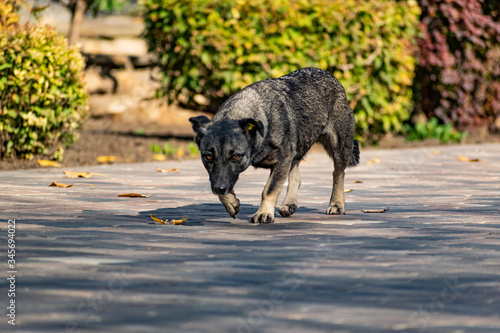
x=77 y=13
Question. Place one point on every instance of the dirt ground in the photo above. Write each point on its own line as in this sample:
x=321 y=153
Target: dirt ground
x=125 y=124
x=119 y=138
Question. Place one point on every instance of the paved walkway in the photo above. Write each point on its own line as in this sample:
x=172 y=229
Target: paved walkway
x=89 y=261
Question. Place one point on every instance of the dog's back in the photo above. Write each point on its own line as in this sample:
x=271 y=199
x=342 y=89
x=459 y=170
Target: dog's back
x=297 y=110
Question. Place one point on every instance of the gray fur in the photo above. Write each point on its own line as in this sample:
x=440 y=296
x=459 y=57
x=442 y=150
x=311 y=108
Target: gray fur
x=272 y=124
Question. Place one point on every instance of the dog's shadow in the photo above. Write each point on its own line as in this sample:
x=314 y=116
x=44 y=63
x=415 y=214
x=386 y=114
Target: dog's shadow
x=210 y=214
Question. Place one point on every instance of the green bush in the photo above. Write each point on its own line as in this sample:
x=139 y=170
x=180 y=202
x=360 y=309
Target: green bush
x=214 y=48
x=42 y=98
x=432 y=129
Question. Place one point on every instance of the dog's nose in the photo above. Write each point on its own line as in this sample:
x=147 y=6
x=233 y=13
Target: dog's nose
x=220 y=189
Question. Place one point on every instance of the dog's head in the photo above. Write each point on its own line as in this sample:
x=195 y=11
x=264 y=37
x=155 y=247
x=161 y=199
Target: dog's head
x=226 y=148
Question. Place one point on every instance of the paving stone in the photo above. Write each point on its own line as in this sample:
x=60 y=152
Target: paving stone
x=89 y=261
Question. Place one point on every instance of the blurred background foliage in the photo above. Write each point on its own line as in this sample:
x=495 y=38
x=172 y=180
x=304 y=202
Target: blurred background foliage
x=208 y=50
x=42 y=96
x=78 y=8
x=458 y=76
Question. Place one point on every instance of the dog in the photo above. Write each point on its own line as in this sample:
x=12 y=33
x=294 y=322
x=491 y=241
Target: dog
x=272 y=124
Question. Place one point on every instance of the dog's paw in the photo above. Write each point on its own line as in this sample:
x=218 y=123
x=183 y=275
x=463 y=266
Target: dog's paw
x=233 y=208
x=288 y=210
x=231 y=203
x=262 y=218
x=335 y=209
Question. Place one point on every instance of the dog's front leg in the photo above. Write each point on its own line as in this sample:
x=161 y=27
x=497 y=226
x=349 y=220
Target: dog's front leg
x=274 y=184
x=231 y=203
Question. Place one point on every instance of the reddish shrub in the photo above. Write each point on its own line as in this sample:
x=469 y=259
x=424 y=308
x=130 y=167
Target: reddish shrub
x=458 y=77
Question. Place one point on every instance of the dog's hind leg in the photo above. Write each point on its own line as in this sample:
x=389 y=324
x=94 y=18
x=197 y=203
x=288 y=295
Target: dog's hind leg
x=337 y=202
x=338 y=153
x=231 y=203
x=274 y=184
x=289 y=205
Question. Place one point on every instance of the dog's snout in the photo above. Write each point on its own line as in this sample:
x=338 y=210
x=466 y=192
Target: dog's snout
x=220 y=189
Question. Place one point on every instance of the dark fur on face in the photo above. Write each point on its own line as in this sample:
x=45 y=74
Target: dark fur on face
x=225 y=149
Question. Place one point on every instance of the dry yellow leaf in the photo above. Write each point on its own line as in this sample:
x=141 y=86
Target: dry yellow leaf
x=158 y=220
x=167 y=170
x=107 y=159
x=347 y=191
x=160 y=157
x=49 y=163
x=357 y=182
x=383 y=210
x=74 y=174
x=466 y=159
x=60 y=185
x=373 y=161
x=134 y=195
x=436 y=152
x=179 y=221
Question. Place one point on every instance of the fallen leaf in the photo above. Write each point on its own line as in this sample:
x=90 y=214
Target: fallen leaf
x=179 y=221
x=466 y=159
x=159 y=157
x=60 y=185
x=383 y=210
x=167 y=170
x=373 y=161
x=107 y=159
x=347 y=191
x=134 y=195
x=357 y=182
x=158 y=220
x=49 y=163
x=436 y=152
x=74 y=174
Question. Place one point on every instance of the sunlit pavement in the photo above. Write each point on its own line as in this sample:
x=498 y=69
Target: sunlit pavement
x=87 y=260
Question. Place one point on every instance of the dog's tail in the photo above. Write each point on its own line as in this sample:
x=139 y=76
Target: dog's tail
x=354 y=158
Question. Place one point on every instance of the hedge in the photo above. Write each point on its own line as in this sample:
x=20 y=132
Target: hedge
x=213 y=48
x=42 y=97
x=458 y=77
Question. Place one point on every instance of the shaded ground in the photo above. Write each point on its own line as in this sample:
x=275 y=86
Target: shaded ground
x=89 y=261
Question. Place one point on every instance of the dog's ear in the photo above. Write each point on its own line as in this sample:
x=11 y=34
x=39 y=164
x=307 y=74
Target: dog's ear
x=200 y=124
x=252 y=126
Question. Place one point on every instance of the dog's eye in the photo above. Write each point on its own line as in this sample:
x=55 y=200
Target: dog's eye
x=209 y=157
x=236 y=156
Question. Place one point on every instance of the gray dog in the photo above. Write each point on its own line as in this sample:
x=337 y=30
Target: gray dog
x=272 y=124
